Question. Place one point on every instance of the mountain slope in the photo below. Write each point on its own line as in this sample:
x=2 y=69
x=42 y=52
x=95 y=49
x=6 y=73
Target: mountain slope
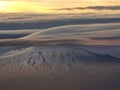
x=62 y=57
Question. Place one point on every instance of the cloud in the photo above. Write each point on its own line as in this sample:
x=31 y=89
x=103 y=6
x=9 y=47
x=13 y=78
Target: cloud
x=107 y=38
x=43 y=21
x=91 y=7
x=15 y=21
x=43 y=24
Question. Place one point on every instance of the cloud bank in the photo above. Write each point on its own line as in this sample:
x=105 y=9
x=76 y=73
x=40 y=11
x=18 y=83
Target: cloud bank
x=43 y=24
x=90 y=7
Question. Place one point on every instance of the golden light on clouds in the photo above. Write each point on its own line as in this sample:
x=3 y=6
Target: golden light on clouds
x=5 y=6
x=46 y=6
x=22 y=6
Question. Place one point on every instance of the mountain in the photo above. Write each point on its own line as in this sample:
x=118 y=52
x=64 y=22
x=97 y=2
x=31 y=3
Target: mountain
x=54 y=57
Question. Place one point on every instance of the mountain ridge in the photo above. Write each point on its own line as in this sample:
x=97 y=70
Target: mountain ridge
x=55 y=57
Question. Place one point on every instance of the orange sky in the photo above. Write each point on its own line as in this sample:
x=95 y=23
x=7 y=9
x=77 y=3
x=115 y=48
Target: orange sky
x=46 y=6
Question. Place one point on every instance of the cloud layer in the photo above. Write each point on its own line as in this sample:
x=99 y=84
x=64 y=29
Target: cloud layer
x=91 y=7
x=37 y=21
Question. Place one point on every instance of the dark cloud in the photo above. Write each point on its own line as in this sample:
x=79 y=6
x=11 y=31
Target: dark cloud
x=43 y=24
x=106 y=38
x=92 y=8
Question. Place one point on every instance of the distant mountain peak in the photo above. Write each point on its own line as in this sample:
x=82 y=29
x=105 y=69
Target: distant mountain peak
x=54 y=56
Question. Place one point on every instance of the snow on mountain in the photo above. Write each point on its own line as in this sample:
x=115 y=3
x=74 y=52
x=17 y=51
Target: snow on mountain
x=62 y=57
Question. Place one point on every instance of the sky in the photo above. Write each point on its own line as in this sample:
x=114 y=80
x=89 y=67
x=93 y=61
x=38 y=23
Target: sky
x=58 y=6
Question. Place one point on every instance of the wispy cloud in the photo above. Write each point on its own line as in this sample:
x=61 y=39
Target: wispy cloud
x=91 y=7
x=43 y=24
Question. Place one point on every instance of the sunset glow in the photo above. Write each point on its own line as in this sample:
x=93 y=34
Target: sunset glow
x=22 y=7
x=47 y=6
